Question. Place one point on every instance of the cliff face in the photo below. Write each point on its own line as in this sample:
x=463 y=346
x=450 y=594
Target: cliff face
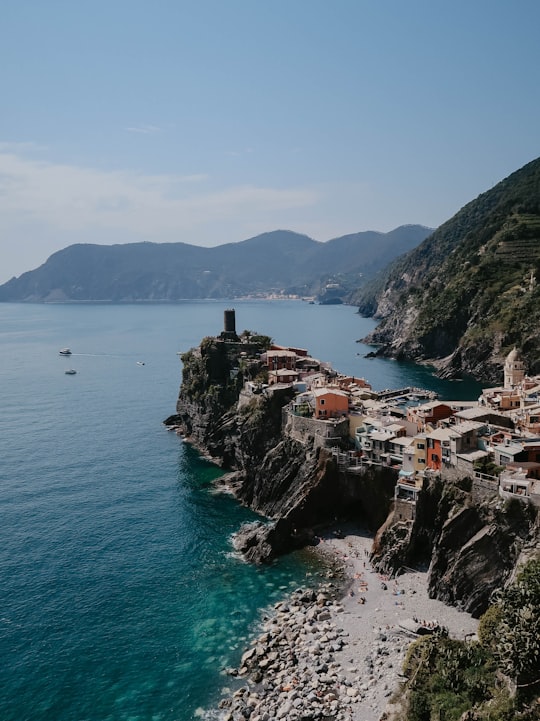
x=296 y=484
x=472 y=549
x=235 y=437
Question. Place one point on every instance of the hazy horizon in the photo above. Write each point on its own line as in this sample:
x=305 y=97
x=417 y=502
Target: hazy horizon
x=210 y=122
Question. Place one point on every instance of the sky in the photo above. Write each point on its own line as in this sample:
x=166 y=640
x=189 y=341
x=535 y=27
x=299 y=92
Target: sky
x=211 y=121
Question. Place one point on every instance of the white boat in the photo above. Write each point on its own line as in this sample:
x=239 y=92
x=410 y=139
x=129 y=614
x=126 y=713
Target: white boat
x=65 y=351
x=140 y=363
x=70 y=372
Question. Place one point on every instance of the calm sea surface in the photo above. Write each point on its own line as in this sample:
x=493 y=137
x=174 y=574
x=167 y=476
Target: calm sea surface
x=119 y=596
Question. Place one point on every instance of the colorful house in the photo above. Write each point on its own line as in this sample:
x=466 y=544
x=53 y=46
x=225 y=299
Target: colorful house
x=283 y=375
x=428 y=414
x=347 y=383
x=278 y=359
x=439 y=448
x=419 y=447
x=445 y=444
x=528 y=419
x=330 y=403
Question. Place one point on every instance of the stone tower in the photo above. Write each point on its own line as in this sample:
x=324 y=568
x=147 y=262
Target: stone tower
x=229 y=326
x=514 y=369
x=229 y=321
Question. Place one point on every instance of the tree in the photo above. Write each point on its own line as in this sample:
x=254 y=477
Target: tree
x=517 y=633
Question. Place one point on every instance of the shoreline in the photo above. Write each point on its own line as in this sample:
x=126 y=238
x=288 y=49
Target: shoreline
x=378 y=641
x=337 y=650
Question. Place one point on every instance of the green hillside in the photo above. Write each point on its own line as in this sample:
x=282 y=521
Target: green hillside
x=469 y=292
x=276 y=262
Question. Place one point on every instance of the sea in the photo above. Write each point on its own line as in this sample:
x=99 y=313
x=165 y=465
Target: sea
x=121 y=598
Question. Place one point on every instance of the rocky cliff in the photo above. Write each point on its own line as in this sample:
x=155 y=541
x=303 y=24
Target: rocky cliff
x=296 y=484
x=471 y=548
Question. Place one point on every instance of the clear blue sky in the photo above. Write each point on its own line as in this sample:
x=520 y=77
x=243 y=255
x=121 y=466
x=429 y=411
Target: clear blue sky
x=210 y=121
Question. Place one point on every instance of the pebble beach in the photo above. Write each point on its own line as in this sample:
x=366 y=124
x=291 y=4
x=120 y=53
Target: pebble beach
x=337 y=652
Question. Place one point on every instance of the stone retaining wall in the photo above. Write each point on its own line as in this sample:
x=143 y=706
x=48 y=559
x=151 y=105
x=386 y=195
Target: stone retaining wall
x=404 y=510
x=325 y=433
x=482 y=490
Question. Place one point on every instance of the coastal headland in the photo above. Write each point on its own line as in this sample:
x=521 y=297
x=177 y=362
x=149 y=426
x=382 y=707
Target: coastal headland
x=308 y=448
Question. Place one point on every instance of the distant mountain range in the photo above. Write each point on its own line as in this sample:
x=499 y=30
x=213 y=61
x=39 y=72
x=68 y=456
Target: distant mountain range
x=277 y=262
x=470 y=292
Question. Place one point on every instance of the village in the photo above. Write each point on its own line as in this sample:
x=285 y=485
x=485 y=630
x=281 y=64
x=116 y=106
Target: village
x=429 y=464
x=493 y=439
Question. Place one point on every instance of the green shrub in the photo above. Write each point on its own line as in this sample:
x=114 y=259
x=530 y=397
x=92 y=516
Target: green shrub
x=518 y=644
x=419 y=708
x=446 y=677
x=488 y=627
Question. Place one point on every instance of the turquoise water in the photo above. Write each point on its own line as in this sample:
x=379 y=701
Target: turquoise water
x=120 y=597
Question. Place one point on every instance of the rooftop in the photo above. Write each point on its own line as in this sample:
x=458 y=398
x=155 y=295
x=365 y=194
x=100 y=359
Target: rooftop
x=443 y=434
x=402 y=441
x=318 y=392
x=428 y=406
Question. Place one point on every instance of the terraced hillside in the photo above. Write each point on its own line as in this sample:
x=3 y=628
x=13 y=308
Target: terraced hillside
x=470 y=292
x=518 y=240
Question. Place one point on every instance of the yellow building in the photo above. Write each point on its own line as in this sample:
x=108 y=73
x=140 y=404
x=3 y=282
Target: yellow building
x=419 y=445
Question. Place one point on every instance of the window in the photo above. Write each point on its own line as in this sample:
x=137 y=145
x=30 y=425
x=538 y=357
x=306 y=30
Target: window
x=420 y=446
x=422 y=461
x=322 y=401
